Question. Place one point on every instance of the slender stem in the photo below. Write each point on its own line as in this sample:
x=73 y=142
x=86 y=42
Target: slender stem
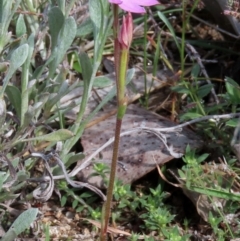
x=122 y=81
x=106 y=210
x=121 y=109
x=183 y=39
x=121 y=63
x=146 y=95
x=116 y=44
x=107 y=204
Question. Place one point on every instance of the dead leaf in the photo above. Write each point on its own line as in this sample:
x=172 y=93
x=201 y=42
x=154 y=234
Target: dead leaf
x=139 y=151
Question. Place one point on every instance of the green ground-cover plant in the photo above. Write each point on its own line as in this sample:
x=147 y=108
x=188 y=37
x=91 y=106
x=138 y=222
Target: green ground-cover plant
x=214 y=183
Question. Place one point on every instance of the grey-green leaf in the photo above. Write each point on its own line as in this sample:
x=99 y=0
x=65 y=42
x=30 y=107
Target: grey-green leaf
x=20 y=26
x=9 y=236
x=59 y=135
x=18 y=57
x=85 y=28
x=102 y=81
x=95 y=9
x=55 y=21
x=67 y=36
x=61 y=92
x=23 y=222
x=86 y=66
x=14 y=97
x=65 y=39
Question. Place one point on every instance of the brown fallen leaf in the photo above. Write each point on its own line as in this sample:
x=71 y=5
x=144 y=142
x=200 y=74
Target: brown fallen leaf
x=139 y=151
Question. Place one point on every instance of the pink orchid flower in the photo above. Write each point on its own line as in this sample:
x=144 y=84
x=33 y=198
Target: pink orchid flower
x=134 y=6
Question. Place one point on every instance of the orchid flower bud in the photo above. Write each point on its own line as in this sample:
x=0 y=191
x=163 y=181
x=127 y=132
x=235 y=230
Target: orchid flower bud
x=126 y=32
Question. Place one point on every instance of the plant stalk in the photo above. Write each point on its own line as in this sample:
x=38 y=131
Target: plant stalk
x=121 y=63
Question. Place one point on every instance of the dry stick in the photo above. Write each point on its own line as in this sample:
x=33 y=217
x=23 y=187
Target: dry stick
x=196 y=57
x=49 y=178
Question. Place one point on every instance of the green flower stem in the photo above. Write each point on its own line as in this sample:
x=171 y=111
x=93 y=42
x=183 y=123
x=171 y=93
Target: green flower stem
x=116 y=43
x=122 y=83
x=121 y=63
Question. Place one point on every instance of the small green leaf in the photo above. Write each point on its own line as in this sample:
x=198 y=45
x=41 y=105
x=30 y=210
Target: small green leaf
x=86 y=66
x=79 y=209
x=86 y=195
x=63 y=200
x=233 y=122
x=74 y=158
x=168 y=24
x=181 y=174
x=202 y=158
x=215 y=193
x=190 y=115
x=59 y=135
x=3 y=66
x=204 y=90
x=20 y=26
x=195 y=71
x=232 y=82
x=233 y=90
x=180 y=89
x=18 y=57
x=74 y=204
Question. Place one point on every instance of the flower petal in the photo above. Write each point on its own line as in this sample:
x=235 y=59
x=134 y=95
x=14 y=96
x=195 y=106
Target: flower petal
x=134 y=6
x=131 y=7
x=144 y=2
x=115 y=1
